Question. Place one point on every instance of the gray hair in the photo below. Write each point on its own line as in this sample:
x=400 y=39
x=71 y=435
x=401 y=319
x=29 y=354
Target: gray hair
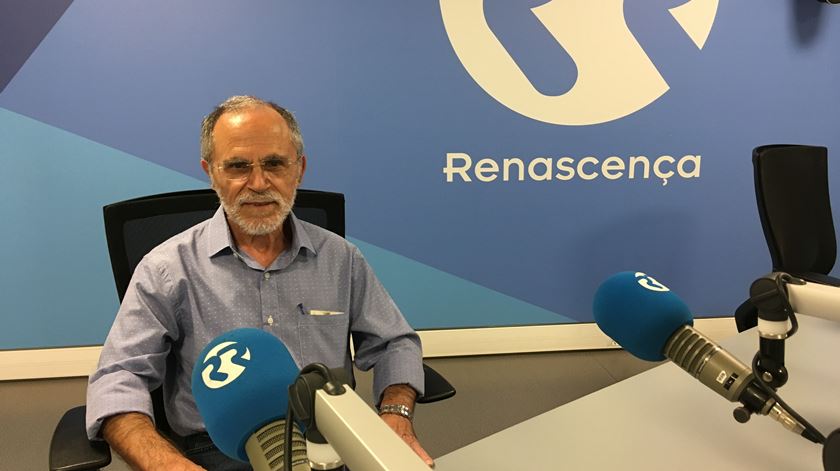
x=238 y=103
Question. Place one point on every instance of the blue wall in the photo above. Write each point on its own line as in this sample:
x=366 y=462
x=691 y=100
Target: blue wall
x=101 y=101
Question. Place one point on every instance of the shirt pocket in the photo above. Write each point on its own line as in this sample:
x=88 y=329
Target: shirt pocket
x=325 y=339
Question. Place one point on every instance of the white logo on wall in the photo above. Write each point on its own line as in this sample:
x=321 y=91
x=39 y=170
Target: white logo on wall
x=227 y=369
x=649 y=282
x=615 y=75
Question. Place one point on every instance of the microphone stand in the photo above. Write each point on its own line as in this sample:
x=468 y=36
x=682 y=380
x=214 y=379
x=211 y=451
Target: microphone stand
x=334 y=411
x=314 y=377
x=776 y=322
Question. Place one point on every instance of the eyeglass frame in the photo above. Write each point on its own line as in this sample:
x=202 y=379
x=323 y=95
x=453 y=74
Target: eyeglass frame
x=252 y=164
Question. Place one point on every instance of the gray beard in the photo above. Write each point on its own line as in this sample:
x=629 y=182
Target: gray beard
x=258 y=226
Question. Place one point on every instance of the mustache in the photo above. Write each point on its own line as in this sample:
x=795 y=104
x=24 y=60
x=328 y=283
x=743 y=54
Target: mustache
x=267 y=197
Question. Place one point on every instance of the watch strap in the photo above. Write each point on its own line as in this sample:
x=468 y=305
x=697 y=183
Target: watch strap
x=398 y=409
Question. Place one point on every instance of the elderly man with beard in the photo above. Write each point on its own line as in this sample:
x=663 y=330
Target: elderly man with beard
x=253 y=264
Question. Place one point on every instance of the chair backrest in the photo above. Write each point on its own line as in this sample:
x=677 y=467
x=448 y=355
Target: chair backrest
x=136 y=226
x=791 y=188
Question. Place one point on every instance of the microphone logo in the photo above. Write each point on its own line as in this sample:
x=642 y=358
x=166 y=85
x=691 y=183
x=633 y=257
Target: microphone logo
x=615 y=76
x=223 y=364
x=649 y=282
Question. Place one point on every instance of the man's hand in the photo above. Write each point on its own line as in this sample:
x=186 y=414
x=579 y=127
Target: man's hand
x=134 y=437
x=403 y=427
x=403 y=394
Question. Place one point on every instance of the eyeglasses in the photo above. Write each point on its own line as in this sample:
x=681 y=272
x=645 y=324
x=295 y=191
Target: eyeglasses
x=240 y=170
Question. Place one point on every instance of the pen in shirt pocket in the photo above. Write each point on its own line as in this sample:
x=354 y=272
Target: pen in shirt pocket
x=317 y=312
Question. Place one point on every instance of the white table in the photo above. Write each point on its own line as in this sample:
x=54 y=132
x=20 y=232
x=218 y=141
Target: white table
x=665 y=419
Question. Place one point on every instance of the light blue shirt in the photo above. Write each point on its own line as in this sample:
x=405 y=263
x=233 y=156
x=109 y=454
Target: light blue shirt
x=316 y=295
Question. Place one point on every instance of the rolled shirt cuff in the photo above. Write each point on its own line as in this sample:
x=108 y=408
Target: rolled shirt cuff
x=399 y=366
x=115 y=393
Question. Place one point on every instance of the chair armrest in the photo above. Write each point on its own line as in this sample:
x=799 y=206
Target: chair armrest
x=818 y=278
x=437 y=387
x=70 y=449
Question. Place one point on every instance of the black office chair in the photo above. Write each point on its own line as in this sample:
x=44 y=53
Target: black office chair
x=136 y=226
x=791 y=189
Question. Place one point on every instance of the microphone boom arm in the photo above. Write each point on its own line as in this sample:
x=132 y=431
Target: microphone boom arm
x=361 y=437
x=333 y=411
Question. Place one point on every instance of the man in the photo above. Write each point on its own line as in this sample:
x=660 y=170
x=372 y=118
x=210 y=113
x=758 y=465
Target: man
x=253 y=264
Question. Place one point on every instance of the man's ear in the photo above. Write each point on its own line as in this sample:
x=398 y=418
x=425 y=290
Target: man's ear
x=302 y=168
x=205 y=166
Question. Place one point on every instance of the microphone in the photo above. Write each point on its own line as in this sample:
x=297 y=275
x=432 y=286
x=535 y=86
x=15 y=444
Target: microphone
x=652 y=323
x=240 y=383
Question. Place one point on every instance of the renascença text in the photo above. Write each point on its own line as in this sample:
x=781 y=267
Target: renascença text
x=540 y=169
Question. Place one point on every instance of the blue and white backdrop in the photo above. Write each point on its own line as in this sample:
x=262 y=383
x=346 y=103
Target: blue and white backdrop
x=500 y=158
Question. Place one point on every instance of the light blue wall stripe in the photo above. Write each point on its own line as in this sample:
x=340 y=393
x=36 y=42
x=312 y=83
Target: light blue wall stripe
x=57 y=287
x=433 y=299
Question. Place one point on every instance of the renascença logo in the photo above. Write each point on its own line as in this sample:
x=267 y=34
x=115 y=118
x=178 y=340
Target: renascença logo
x=615 y=75
x=220 y=368
x=649 y=282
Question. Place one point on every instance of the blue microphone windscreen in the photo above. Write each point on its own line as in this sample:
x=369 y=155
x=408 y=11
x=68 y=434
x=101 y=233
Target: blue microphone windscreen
x=241 y=382
x=639 y=313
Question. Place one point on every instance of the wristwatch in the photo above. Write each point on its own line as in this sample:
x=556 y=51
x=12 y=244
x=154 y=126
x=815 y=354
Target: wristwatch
x=397 y=409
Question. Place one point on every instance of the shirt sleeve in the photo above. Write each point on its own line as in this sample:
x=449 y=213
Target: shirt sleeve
x=132 y=361
x=382 y=338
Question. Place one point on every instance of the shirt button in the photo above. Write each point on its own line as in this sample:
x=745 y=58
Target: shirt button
x=270 y=320
x=266 y=275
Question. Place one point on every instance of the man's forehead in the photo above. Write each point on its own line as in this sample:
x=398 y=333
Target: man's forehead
x=248 y=128
x=256 y=114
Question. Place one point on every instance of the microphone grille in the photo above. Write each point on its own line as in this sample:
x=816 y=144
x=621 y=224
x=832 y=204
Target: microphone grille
x=265 y=447
x=689 y=349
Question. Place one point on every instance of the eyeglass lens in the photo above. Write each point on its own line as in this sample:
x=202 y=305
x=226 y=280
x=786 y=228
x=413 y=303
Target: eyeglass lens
x=236 y=169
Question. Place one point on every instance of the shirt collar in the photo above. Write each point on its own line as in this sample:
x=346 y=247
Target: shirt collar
x=300 y=238
x=220 y=238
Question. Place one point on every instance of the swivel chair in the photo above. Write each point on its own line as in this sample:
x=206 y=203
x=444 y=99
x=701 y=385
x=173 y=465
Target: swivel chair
x=134 y=227
x=791 y=189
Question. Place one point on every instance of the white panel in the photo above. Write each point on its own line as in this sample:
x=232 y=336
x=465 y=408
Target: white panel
x=80 y=361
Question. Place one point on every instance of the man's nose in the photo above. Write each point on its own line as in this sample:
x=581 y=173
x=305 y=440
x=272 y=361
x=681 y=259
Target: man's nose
x=258 y=179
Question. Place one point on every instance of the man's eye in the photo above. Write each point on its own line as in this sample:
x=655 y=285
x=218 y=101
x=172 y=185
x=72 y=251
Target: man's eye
x=274 y=164
x=237 y=165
